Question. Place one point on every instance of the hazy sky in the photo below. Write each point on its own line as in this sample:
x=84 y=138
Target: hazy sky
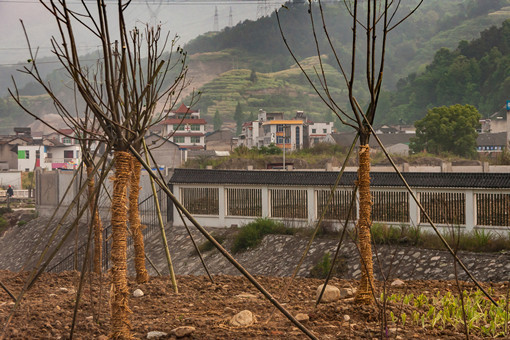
x=187 y=18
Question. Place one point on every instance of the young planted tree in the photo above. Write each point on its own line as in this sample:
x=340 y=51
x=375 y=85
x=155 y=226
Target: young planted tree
x=371 y=23
x=122 y=97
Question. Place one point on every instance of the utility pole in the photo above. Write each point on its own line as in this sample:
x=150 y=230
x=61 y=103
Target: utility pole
x=216 y=25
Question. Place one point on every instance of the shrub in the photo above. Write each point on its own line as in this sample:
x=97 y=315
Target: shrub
x=208 y=245
x=251 y=234
x=321 y=268
x=3 y=224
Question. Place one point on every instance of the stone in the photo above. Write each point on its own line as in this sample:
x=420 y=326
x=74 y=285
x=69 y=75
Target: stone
x=331 y=293
x=347 y=318
x=435 y=258
x=243 y=318
x=302 y=317
x=181 y=332
x=398 y=283
x=138 y=293
x=347 y=292
x=156 y=335
x=246 y=296
x=102 y=337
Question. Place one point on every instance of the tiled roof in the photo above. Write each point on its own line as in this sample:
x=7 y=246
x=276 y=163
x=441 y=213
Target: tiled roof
x=199 y=121
x=491 y=139
x=184 y=109
x=327 y=178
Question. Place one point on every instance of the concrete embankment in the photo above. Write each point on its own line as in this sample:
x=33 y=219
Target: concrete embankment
x=277 y=255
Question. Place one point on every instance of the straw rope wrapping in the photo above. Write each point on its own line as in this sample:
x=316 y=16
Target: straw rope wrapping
x=119 y=294
x=364 y=294
x=134 y=222
x=97 y=225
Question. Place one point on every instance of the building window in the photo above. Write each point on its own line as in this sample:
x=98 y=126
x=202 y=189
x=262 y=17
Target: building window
x=195 y=139
x=68 y=153
x=444 y=207
x=37 y=154
x=492 y=209
x=201 y=201
x=324 y=130
x=195 y=127
x=244 y=202
x=279 y=128
x=178 y=127
x=23 y=154
x=314 y=130
x=390 y=206
x=178 y=139
x=338 y=207
x=289 y=203
x=66 y=140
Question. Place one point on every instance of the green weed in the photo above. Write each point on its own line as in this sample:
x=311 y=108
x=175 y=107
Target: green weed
x=251 y=234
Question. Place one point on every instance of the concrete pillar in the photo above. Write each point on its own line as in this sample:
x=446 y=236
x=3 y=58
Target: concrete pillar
x=470 y=210
x=446 y=166
x=414 y=210
x=222 y=200
x=312 y=207
x=265 y=202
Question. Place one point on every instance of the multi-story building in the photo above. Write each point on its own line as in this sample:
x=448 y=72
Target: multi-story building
x=296 y=133
x=185 y=128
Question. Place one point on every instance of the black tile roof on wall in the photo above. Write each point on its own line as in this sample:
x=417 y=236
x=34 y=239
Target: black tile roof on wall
x=328 y=178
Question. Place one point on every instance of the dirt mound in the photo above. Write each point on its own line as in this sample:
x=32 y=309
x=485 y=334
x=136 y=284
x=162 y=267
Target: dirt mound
x=46 y=312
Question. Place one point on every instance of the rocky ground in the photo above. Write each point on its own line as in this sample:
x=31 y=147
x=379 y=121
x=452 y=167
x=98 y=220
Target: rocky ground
x=204 y=310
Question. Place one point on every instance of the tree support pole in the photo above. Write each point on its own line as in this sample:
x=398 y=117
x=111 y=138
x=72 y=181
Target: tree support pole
x=161 y=225
x=222 y=250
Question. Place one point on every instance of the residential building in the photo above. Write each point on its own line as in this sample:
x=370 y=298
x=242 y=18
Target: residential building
x=298 y=132
x=285 y=134
x=165 y=152
x=185 y=128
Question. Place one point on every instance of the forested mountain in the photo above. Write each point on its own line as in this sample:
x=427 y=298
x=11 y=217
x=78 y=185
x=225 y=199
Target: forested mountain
x=258 y=46
x=411 y=46
x=250 y=65
x=476 y=73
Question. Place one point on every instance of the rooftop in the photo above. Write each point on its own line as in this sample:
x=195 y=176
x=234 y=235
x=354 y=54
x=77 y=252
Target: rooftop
x=328 y=178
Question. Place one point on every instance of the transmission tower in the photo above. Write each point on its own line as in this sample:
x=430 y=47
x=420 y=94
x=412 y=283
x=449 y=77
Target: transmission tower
x=230 y=20
x=263 y=8
x=154 y=6
x=216 y=25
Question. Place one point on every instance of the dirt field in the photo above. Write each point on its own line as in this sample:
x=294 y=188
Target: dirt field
x=46 y=312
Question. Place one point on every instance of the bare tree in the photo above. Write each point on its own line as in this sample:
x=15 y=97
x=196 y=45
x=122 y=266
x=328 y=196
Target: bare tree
x=122 y=98
x=372 y=21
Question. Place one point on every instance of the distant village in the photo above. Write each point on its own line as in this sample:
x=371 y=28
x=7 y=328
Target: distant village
x=184 y=135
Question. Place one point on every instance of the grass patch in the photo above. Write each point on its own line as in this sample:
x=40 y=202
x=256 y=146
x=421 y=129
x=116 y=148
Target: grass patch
x=3 y=224
x=251 y=234
x=479 y=240
x=321 y=269
x=445 y=311
x=208 y=245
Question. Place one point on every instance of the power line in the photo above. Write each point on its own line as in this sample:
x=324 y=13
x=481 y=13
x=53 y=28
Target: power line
x=167 y=3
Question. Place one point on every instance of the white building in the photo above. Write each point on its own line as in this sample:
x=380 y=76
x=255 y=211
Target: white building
x=285 y=134
x=185 y=128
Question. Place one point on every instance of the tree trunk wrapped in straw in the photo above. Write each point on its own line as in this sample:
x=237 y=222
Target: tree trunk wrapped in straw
x=120 y=323
x=365 y=294
x=134 y=222
x=97 y=225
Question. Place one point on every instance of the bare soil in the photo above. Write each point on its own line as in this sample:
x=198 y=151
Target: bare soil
x=47 y=309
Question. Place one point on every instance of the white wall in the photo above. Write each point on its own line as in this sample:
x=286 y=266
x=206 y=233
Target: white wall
x=12 y=178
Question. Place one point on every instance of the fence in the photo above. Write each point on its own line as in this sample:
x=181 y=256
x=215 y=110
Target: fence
x=470 y=201
x=149 y=220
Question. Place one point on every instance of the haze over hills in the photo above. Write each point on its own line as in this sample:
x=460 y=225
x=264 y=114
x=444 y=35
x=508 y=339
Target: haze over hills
x=224 y=64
